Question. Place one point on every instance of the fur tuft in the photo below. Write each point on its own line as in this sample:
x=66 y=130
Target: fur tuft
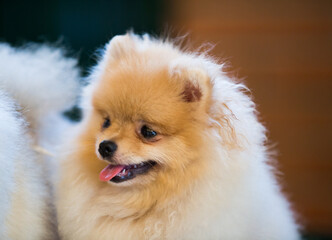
x=40 y=78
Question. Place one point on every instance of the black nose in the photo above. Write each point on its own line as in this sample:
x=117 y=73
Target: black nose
x=107 y=148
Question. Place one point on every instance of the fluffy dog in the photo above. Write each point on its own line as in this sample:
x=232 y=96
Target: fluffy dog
x=36 y=84
x=169 y=148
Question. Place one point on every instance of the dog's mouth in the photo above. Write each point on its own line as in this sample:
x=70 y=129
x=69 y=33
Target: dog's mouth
x=121 y=173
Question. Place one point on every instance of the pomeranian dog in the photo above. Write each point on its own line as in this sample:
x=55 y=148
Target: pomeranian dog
x=37 y=83
x=169 y=148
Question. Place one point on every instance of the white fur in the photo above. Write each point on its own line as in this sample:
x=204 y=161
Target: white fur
x=36 y=84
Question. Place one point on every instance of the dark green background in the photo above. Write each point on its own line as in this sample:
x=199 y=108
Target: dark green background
x=80 y=25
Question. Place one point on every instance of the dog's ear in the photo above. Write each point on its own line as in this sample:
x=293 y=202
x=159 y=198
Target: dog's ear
x=195 y=86
x=191 y=92
x=120 y=46
x=197 y=90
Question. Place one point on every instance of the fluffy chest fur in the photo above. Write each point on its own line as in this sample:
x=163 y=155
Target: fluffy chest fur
x=225 y=204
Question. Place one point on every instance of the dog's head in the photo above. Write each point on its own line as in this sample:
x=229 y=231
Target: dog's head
x=150 y=114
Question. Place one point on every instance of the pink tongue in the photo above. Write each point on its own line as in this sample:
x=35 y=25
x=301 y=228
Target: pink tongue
x=109 y=172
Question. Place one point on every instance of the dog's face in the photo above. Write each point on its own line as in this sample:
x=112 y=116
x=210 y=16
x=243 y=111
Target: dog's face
x=147 y=120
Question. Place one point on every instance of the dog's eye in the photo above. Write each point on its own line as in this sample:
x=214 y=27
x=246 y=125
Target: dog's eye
x=106 y=123
x=148 y=133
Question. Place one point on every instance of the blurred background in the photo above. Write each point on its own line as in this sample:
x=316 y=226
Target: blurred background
x=281 y=49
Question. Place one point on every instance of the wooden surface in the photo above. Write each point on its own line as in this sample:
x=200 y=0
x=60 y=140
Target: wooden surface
x=283 y=49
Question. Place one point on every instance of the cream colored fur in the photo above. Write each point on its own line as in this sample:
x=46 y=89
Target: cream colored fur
x=212 y=179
